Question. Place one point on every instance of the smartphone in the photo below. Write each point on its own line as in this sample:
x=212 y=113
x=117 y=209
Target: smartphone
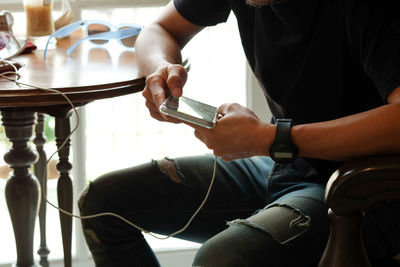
x=189 y=110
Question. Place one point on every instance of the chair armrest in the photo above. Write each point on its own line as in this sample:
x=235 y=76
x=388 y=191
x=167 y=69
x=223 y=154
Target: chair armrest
x=363 y=182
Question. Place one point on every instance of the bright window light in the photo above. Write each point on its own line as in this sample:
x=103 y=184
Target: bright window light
x=122 y=129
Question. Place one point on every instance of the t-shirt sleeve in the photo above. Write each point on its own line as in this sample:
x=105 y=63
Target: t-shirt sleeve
x=374 y=31
x=203 y=12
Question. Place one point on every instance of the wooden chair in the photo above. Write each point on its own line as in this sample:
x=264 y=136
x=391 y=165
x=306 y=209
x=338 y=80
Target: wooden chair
x=354 y=187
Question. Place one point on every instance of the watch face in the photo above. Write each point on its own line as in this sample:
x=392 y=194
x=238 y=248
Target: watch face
x=283 y=155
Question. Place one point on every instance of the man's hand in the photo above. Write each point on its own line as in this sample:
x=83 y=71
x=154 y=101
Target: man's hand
x=166 y=81
x=238 y=134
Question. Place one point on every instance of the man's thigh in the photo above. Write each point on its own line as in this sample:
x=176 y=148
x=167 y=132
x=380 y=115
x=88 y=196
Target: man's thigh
x=291 y=231
x=162 y=195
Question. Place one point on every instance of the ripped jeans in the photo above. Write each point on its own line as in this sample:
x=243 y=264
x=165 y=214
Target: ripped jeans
x=258 y=213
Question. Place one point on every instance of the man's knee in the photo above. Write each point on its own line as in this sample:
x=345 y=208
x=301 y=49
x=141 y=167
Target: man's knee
x=264 y=237
x=93 y=199
x=85 y=210
x=222 y=250
x=86 y=200
x=82 y=199
x=282 y=223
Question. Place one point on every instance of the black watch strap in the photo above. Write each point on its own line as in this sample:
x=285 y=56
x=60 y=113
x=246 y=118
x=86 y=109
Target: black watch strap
x=282 y=149
x=282 y=135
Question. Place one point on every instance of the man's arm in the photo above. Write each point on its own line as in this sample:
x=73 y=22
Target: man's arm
x=239 y=133
x=160 y=43
x=372 y=132
x=158 y=54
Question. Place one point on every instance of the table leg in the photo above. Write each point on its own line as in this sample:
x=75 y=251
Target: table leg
x=22 y=188
x=64 y=186
x=40 y=170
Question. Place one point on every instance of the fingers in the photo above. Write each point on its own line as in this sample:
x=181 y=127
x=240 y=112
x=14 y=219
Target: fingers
x=236 y=110
x=166 y=81
x=154 y=112
x=223 y=109
x=200 y=136
x=229 y=139
x=155 y=90
x=229 y=108
x=206 y=136
x=218 y=152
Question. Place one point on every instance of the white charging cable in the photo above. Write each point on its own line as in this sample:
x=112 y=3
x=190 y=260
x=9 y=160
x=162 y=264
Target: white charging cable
x=15 y=73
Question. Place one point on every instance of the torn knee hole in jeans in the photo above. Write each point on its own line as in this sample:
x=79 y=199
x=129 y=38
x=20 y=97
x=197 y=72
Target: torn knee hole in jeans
x=168 y=167
x=283 y=223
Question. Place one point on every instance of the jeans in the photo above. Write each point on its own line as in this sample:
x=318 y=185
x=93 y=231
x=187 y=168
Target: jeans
x=258 y=214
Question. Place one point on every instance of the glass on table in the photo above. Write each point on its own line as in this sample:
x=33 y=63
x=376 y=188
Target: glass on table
x=39 y=20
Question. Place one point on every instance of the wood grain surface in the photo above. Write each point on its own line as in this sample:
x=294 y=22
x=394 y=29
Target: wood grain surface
x=89 y=73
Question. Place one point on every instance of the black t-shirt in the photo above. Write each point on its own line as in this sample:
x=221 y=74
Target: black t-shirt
x=316 y=60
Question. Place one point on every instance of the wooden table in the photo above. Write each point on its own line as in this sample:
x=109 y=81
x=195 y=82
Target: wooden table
x=90 y=73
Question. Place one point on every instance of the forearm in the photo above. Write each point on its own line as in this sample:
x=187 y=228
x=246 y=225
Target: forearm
x=155 y=47
x=372 y=132
x=239 y=133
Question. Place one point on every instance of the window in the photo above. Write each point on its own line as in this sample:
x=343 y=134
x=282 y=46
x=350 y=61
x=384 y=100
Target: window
x=132 y=137
x=122 y=129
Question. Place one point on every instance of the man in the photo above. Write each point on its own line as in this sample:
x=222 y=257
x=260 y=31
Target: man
x=330 y=70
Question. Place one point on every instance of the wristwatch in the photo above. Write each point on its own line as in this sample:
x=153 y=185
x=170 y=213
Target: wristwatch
x=282 y=149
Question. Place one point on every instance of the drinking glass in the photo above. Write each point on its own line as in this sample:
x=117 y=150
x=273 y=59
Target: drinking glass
x=39 y=20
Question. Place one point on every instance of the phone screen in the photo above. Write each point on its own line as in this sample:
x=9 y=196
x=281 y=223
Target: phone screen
x=190 y=110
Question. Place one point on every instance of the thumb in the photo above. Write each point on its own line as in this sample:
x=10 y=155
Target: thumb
x=177 y=77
